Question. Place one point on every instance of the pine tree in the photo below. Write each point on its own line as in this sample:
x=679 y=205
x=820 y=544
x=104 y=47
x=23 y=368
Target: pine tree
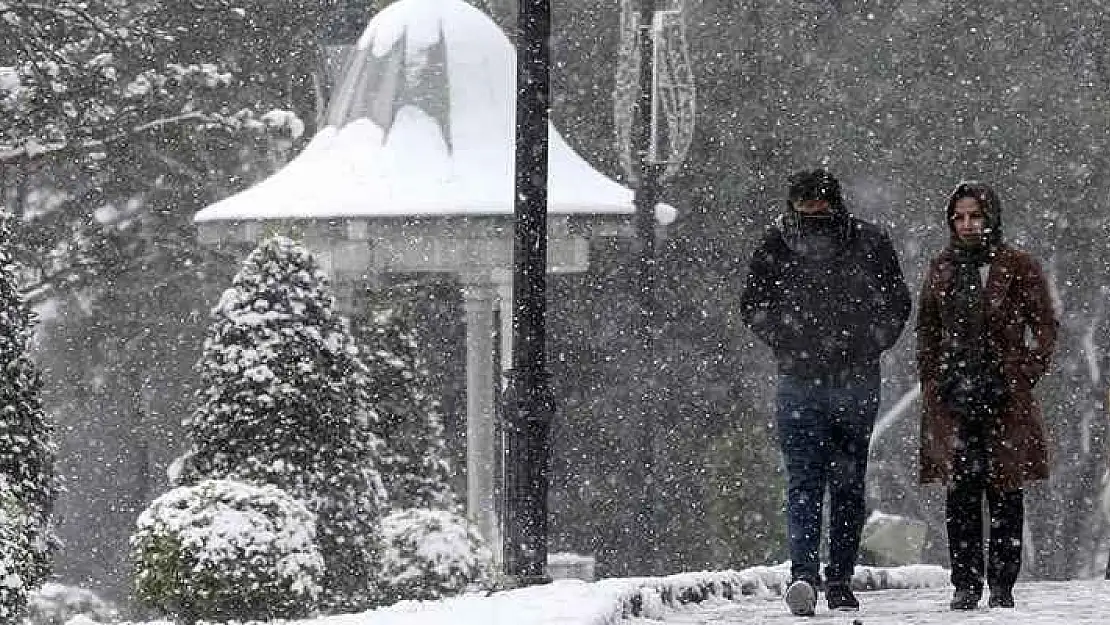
x=284 y=402
x=27 y=485
x=414 y=467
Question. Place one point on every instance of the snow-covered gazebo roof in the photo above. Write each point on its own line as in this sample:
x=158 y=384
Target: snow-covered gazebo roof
x=422 y=125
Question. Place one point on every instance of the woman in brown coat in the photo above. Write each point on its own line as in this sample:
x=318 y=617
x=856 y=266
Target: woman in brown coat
x=986 y=330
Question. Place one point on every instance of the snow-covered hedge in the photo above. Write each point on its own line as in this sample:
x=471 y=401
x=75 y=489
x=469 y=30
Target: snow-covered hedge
x=430 y=554
x=224 y=550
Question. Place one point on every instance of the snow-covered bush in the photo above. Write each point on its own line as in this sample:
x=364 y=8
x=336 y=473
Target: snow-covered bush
x=284 y=402
x=58 y=604
x=224 y=550
x=14 y=559
x=431 y=554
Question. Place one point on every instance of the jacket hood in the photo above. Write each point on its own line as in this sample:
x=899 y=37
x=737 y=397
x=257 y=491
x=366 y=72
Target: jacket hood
x=817 y=184
x=988 y=203
x=822 y=236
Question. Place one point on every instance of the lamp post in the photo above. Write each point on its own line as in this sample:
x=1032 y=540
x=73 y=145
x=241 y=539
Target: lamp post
x=654 y=110
x=529 y=403
x=646 y=197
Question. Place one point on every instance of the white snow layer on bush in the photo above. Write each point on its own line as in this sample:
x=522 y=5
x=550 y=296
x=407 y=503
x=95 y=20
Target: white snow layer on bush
x=224 y=522
x=432 y=549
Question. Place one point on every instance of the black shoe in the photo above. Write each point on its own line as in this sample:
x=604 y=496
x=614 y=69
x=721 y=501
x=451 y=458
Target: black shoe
x=1001 y=598
x=840 y=597
x=801 y=598
x=965 y=599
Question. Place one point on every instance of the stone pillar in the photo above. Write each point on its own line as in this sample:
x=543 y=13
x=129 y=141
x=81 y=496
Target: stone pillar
x=481 y=432
x=347 y=298
x=504 y=283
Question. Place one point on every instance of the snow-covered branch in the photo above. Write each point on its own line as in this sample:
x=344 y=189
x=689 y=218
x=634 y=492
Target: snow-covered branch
x=33 y=150
x=896 y=411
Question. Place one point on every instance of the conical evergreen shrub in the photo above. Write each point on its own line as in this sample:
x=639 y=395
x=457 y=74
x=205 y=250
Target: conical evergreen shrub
x=284 y=402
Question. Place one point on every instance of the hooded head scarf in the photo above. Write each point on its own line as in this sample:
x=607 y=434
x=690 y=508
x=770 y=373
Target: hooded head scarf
x=988 y=203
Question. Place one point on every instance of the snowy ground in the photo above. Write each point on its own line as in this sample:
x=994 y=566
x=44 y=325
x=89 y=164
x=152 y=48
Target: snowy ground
x=916 y=595
x=1083 y=602
x=911 y=595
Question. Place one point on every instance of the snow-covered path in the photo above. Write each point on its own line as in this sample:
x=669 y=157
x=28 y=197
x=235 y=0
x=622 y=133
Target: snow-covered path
x=916 y=595
x=1084 y=602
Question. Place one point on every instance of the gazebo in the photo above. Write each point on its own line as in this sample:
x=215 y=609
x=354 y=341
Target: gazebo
x=413 y=172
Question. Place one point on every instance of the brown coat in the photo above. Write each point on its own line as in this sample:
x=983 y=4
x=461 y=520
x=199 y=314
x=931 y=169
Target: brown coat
x=1019 y=308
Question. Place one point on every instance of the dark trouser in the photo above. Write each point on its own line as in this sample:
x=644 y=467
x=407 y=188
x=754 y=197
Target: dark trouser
x=964 y=517
x=824 y=428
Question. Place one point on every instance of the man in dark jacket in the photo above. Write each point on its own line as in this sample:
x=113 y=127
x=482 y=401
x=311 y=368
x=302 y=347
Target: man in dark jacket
x=825 y=292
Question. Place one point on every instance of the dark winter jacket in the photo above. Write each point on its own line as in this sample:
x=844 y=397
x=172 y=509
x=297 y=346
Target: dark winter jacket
x=829 y=316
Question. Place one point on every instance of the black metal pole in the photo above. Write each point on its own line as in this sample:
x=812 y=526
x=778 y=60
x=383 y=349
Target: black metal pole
x=529 y=402
x=646 y=197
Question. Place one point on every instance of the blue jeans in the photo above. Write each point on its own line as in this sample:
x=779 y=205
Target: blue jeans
x=824 y=428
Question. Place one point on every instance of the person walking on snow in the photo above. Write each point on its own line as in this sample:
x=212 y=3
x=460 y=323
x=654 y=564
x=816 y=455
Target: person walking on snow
x=825 y=292
x=986 y=330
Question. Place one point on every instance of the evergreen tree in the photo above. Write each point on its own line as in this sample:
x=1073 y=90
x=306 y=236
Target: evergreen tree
x=414 y=467
x=121 y=119
x=27 y=484
x=284 y=402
